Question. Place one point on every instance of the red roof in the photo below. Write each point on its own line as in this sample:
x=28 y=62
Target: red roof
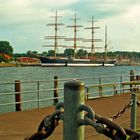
x=6 y=56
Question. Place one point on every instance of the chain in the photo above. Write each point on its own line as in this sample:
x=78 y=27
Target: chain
x=48 y=124
x=102 y=125
x=138 y=103
x=120 y=113
x=133 y=134
x=109 y=128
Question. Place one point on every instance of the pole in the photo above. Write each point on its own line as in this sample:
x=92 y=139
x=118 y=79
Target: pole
x=100 y=88
x=133 y=111
x=73 y=96
x=18 y=95
x=121 y=87
x=38 y=94
x=132 y=78
x=55 y=90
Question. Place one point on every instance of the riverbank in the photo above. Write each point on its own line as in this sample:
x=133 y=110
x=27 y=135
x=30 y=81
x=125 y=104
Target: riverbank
x=18 y=64
x=18 y=125
x=7 y=65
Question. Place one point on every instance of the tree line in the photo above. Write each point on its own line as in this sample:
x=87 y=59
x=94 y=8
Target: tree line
x=134 y=56
x=6 y=48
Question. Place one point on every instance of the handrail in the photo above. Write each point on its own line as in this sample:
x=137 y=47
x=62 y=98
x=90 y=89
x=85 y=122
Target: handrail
x=116 y=87
x=29 y=91
x=29 y=101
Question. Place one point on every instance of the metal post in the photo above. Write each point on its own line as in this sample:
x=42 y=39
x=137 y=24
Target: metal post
x=121 y=87
x=38 y=94
x=115 y=89
x=100 y=88
x=18 y=95
x=55 y=90
x=74 y=93
x=132 y=73
x=132 y=78
x=133 y=111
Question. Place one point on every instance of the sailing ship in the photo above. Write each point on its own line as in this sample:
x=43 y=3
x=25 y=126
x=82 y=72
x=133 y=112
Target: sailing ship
x=73 y=61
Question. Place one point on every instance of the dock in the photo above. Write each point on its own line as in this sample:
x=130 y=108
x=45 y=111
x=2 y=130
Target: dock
x=18 y=125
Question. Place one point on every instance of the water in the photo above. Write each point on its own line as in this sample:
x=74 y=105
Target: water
x=25 y=74
x=9 y=74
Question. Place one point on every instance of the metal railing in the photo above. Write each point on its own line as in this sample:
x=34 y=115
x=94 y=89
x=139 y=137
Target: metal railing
x=23 y=95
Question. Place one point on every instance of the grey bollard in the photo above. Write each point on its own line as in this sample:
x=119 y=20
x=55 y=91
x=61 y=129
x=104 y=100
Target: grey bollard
x=133 y=111
x=73 y=96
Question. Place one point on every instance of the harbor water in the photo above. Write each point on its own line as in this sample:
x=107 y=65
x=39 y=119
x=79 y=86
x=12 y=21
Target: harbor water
x=31 y=74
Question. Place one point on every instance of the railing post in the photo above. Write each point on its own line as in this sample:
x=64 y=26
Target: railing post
x=38 y=83
x=55 y=90
x=132 y=78
x=100 y=88
x=133 y=111
x=18 y=95
x=115 y=89
x=74 y=96
x=121 y=87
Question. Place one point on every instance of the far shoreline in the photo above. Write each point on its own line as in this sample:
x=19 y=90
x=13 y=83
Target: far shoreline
x=18 y=64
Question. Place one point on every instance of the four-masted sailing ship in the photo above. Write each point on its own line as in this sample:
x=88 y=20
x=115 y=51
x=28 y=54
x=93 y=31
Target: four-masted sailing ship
x=74 y=61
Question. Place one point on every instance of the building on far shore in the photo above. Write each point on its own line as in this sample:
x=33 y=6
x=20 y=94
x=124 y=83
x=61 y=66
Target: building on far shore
x=5 y=56
x=27 y=60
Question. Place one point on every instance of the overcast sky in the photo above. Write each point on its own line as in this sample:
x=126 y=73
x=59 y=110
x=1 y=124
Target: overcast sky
x=23 y=22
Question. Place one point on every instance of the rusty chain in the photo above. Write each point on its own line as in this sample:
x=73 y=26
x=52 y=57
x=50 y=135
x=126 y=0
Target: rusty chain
x=126 y=107
x=102 y=125
x=138 y=103
x=107 y=126
x=48 y=124
x=122 y=111
x=133 y=135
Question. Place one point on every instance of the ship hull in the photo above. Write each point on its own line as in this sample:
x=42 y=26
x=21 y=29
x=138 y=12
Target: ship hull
x=51 y=62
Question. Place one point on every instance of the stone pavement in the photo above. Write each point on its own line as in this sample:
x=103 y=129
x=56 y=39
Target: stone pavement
x=18 y=125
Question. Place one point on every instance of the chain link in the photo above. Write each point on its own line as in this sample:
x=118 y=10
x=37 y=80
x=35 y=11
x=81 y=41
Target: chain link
x=133 y=134
x=121 y=112
x=102 y=125
x=48 y=125
x=138 y=103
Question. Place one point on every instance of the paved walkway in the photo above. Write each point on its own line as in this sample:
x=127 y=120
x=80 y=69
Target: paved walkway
x=18 y=125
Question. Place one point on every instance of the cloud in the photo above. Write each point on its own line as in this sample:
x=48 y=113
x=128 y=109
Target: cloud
x=123 y=28
x=19 y=12
x=23 y=21
x=107 y=8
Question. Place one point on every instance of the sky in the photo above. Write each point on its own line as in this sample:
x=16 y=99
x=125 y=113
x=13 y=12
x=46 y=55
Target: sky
x=23 y=22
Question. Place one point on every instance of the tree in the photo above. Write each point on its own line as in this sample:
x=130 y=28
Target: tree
x=69 y=52
x=2 y=59
x=51 y=53
x=31 y=53
x=81 y=53
x=45 y=53
x=6 y=48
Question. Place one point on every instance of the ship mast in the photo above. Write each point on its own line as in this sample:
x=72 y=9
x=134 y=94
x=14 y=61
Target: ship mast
x=74 y=39
x=56 y=36
x=105 y=56
x=92 y=40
